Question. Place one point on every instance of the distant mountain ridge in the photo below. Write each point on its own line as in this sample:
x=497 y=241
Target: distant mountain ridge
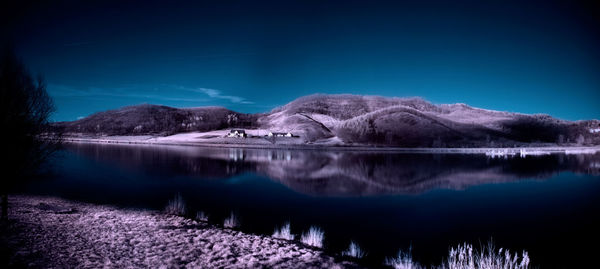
x=353 y=119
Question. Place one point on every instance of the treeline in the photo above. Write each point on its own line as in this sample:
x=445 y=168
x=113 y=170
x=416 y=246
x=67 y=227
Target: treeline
x=158 y=120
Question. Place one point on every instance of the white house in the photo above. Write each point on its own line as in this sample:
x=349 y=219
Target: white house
x=279 y=134
x=237 y=133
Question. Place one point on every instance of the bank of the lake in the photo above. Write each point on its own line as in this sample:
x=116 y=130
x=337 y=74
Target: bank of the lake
x=48 y=232
x=194 y=139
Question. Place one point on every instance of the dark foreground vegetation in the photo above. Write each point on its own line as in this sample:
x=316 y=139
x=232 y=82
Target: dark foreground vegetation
x=25 y=109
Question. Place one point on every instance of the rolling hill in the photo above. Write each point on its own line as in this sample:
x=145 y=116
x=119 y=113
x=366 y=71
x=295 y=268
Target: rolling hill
x=353 y=120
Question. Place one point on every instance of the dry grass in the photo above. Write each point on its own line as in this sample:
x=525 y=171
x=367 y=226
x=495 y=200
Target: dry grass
x=354 y=251
x=201 y=216
x=314 y=237
x=284 y=232
x=231 y=222
x=176 y=206
x=403 y=261
x=464 y=256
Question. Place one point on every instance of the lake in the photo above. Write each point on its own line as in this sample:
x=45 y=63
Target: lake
x=547 y=205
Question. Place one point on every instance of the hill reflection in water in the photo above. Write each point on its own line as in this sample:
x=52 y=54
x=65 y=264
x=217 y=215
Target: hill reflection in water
x=341 y=173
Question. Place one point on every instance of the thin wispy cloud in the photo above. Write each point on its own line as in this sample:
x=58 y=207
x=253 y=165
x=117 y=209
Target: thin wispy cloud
x=120 y=92
x=175 y=93
x=217 y=94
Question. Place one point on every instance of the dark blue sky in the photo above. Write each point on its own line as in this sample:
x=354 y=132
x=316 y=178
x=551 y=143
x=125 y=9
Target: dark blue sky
x=250 y=56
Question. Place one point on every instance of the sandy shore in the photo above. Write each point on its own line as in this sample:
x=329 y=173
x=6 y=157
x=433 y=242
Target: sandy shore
x=54 y=233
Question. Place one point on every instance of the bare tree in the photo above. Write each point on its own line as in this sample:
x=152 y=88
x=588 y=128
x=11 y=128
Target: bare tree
x=25 y=110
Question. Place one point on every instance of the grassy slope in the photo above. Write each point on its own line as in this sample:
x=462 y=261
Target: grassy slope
x=369 y=120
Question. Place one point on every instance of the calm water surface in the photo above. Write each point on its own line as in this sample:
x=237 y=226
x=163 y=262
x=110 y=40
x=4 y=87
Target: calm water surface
x=547 y=205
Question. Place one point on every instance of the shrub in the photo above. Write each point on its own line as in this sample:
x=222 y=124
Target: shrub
x=314 y=237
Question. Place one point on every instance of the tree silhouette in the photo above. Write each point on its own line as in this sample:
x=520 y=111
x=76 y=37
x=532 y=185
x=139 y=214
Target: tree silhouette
x=25 y=110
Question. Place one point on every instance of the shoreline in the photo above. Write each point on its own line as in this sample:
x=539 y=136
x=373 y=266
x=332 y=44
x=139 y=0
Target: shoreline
x=53 y=232
x=491 y=151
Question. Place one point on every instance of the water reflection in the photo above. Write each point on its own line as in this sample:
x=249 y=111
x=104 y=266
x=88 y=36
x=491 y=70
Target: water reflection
x=342 y=173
